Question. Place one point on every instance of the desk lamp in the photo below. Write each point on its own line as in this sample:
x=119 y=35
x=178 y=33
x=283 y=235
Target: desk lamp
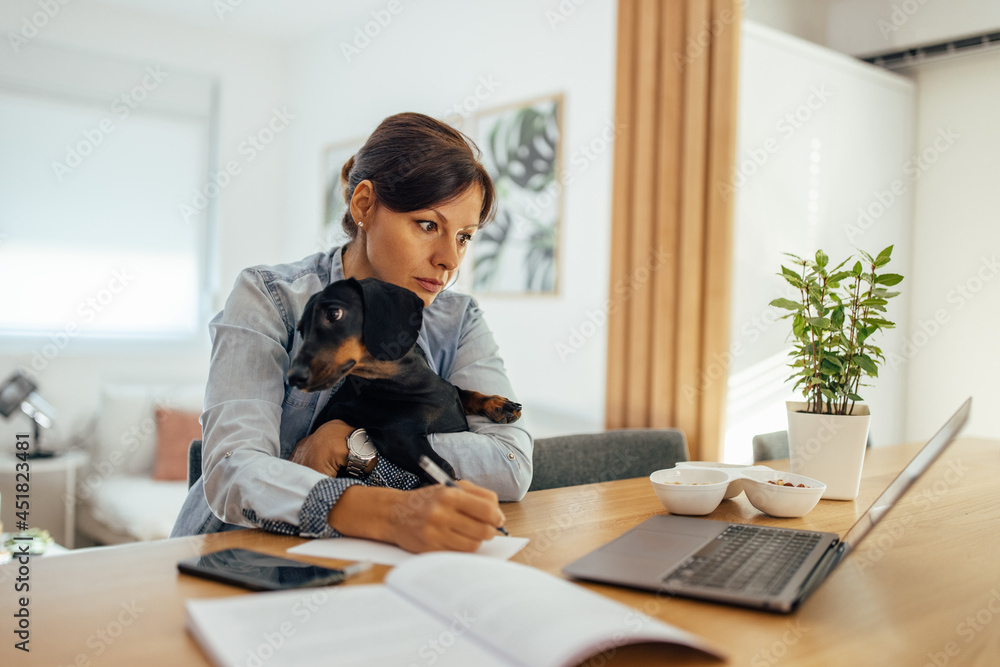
x=18 y=391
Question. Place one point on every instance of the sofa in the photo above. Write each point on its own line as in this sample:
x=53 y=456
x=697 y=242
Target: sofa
x=135 y=482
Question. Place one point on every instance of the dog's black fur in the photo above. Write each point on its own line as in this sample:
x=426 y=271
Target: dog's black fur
x=364 y=334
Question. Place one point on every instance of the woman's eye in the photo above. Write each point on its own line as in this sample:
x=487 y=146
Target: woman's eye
x=334 y=314
x=427 y=225
x=464 y=239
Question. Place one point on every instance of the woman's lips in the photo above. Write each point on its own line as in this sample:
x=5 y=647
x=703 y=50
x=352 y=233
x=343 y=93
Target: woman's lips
x=430 y=285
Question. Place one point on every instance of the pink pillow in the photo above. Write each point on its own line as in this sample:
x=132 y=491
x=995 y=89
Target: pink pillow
x=175 y=429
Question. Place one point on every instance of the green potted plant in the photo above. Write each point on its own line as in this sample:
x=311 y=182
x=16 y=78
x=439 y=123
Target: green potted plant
x=838 y=312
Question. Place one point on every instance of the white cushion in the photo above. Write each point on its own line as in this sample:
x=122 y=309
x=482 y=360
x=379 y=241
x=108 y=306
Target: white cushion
x=126 y=424
x=138 y=506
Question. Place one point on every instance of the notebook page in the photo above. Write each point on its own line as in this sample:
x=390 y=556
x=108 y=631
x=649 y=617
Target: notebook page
x=354 y=625
x=533 y=617
x=354 y=548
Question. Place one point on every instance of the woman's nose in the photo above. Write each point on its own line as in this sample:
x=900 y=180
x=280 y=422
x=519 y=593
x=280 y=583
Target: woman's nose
x=446 y=255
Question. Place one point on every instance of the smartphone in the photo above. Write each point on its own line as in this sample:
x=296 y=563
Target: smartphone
x=264 y=572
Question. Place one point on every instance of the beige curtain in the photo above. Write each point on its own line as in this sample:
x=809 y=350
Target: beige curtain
x=671 y=240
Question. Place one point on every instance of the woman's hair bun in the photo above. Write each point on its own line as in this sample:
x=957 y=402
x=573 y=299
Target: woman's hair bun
x=345 y=176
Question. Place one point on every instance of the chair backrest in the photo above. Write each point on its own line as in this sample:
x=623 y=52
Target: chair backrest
x=569 y=460
x=194 y=462
x=770 y=446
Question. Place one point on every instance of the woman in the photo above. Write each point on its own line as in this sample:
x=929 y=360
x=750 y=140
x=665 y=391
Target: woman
x=416 y=196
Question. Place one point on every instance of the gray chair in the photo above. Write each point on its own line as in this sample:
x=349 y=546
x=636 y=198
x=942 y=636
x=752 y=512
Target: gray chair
x=569 y=460
x=194 y=462
x=771 y=446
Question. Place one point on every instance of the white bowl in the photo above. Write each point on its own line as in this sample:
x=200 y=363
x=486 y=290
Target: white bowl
x=734 y=470
x=782 y=501
x=692 y=491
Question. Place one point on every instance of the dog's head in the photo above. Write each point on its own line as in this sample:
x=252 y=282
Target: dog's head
x=352 y=325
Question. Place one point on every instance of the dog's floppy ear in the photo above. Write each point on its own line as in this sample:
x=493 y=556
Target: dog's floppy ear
x=306 y=312
x=393 y=316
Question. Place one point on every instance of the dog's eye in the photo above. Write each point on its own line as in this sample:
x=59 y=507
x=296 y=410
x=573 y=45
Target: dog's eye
x=334 y=314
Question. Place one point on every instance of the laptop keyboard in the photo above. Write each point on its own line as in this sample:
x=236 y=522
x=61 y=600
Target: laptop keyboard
x=746 y=559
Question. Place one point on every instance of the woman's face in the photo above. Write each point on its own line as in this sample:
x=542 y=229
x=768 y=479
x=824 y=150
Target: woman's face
x=418 y=250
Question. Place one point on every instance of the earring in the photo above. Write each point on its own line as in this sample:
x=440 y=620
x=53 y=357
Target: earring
x=361 y=223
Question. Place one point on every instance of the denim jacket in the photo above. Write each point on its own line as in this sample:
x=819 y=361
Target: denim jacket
x=253 y=419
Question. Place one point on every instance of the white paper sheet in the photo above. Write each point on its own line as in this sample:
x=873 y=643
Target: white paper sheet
x=350 y=548
x=353 y=626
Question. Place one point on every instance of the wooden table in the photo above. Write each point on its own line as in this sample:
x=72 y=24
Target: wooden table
x=923 y=589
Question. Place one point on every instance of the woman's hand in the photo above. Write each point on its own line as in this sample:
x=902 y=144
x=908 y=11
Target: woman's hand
x=325 y=450
x=439 y=517
x=432 y=518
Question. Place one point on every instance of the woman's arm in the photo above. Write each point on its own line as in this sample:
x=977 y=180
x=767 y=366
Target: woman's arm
x=246 y=481
x=425 y=519
x=495 y=456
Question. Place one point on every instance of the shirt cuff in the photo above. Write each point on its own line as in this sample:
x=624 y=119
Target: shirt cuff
x=326 y=493
x=319 y=502
x=391 y=475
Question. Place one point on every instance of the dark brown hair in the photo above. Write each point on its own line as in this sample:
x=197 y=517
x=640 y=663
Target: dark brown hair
x=415 y=162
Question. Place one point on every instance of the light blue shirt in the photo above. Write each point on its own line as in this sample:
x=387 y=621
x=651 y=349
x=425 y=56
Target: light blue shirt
x=253 y=419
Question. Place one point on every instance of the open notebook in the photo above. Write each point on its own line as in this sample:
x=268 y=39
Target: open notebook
x=441 y=608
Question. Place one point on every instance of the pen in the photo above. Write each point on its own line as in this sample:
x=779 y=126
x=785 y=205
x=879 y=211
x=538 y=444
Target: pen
x=441 y=477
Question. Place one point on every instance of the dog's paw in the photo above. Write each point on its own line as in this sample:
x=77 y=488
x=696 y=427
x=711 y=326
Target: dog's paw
x=500 y=410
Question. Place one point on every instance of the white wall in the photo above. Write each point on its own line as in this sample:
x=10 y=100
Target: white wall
x=428 y=59
x=251 y=208
x=806 y=19
x=822 y=137
x=955 y=291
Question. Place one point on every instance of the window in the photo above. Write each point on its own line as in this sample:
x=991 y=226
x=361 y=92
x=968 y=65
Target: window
x=97 y=160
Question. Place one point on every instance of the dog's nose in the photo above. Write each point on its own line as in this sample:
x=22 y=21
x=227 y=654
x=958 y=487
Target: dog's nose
x=298 y=376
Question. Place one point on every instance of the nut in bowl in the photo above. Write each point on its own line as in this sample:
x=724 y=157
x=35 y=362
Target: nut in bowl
x=691 y=491
x=782 y=494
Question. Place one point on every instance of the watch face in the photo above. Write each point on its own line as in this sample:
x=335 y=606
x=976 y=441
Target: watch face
x=361 y=445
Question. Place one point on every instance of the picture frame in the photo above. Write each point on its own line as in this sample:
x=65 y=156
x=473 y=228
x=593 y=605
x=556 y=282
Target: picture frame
x=521 y=148
x=333 y=158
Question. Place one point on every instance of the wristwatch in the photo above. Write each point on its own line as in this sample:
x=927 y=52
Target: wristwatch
x=361 y=454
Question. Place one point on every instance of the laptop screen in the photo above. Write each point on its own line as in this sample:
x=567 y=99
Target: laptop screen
x=905 y=479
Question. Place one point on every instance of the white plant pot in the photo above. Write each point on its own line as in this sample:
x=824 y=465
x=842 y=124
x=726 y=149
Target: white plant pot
x=829 y=448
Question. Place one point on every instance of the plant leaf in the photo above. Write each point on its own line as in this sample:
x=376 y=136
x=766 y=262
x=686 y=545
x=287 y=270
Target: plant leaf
x=866 y=364
x=798 y=326
x=787 y=304
x=883 y=257
x=839 y=275
x=888 y=279
x=829 y=368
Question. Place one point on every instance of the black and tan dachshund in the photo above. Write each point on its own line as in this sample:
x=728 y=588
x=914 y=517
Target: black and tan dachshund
x=365 y=333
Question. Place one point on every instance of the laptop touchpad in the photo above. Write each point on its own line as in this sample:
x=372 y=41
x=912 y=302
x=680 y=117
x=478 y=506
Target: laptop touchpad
x=666 y=548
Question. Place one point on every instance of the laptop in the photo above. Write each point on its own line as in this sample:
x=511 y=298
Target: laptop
x=752 y=566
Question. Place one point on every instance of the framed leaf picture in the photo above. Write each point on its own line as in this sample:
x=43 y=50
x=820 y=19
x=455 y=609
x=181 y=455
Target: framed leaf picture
x=521 y=146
